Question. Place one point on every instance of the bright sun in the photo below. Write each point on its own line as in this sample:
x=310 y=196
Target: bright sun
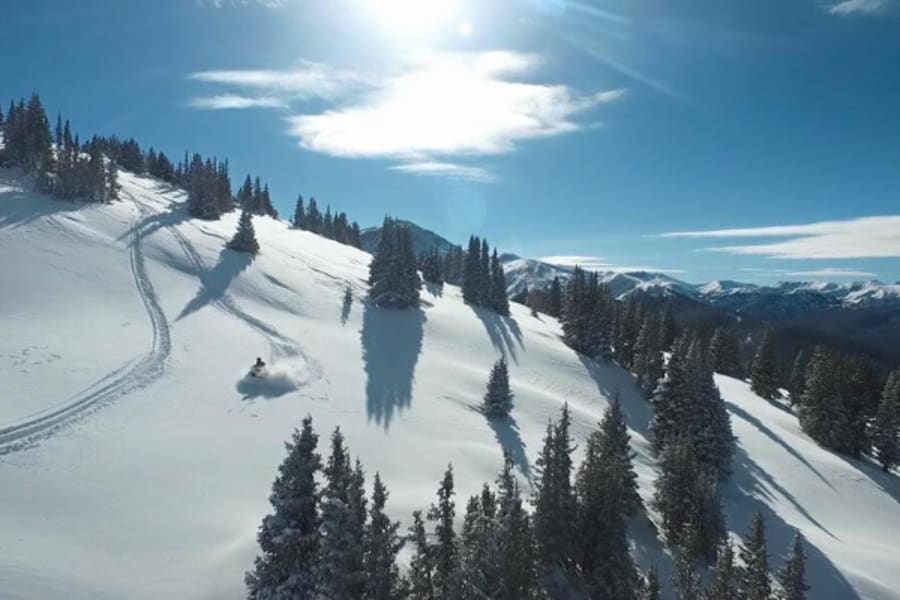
x=418 y=18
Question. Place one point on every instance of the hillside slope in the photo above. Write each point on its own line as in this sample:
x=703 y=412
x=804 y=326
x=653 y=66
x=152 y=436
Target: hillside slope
x=137 y=460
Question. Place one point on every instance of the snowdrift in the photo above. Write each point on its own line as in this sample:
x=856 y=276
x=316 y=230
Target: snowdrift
x=137 y=460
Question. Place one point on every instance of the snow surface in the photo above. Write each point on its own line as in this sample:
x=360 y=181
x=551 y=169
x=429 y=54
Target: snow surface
x=137 y=458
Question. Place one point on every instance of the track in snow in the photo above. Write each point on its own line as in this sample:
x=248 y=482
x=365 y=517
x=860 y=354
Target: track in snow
x=120 y=382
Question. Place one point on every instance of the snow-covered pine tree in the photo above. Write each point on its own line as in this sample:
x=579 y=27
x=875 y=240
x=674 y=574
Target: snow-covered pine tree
x=498 y=398
x=687 y=579
x=764 y=370
x=651 y=589
x=112 y=181
x=708 y=421
x=555 y=505
x=755 y=581
x=515 y=558
x=724 y=353
x=479 y=554
x=822 y=413
x=724 y=583
x=446 y=551
x=792 y=575
x=647 y=362
x=421 y=565
x=797 y=380
x=606 y=493
x=289 y=537
x=244 y=239
x=382 y=544
x=886 y=428
x=671 y=398
x=393 y=277
x=341 y=571
x=431 y=267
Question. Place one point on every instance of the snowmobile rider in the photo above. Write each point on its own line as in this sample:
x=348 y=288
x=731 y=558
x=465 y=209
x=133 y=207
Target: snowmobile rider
x=259 y=363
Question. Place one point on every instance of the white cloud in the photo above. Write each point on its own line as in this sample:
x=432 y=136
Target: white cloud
x=827 y=273
x=448 y=105
x=860 y=7
x=232 y=101
x=866 y=237
x=597 y=263
x=221 y=3
x=310 y=80
x=433 y=108
x=446 y=169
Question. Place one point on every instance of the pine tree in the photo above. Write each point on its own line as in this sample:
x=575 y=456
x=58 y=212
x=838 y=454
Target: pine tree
x=498 y=399
x=724 y=354
x=431 y=267
x=446 y=552
x=755 y=582
x=647 y=362
x=822 y=414
x=670 y=401
x=688 y=583
x=886 y=429
x=764 y=370
x=393 y=278
x=484 y=274
x=340 y=571
x=792 y=575
x=244 y=239
x=382 y=544
x=112 y=181
x=554 y=499
x=422 y=565
x=499 y=302
x=607 y=493
x=724 y=584
x=555 y=299
x=471 y=284
x=289 y=537
x=515 y=556
x=797 y=382
x=479 y=547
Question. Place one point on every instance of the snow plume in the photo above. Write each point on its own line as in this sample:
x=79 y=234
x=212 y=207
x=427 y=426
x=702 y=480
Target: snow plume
x=282 y=377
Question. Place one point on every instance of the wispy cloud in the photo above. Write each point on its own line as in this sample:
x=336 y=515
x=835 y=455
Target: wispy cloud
x=447 y=170
x=597 y=263
x=868 y=8
x=232 y=101
x=221 y=3
x=433 y=109
x=866 y=237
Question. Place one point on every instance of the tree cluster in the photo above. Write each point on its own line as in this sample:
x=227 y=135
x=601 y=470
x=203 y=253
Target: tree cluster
x=547 y=300
x=765 y=378
x=394 y=280
x=332 y=226
x=587 y=318
x=209 y=188
x=483 y=281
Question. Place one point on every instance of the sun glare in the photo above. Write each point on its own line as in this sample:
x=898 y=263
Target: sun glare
x=418 y=18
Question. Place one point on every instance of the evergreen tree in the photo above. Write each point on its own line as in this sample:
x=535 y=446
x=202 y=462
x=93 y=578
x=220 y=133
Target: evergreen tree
x=112 y=181
x=382 y=544
x=670 y=401
x=792 y=575
x=688 y=583
x=289 y=537
x=724 y=353
x=554 y=497
x=498 y=399
x=651 y=589
x=479 y=547
x=393 y=277
x=755 y=582
x=244 y=239
x=724 y=584
x=556 y=298
x=515 y=556
x=431 y=267
x=822 y=413
x=647 y=362
x=886 y=429
x=471 y=284
x=422 y=565
x=245 y=194
x=446 y=552
x=499 y=302
x=764 y=370
x=797 y=383
x=484 y=274
x=606 y=493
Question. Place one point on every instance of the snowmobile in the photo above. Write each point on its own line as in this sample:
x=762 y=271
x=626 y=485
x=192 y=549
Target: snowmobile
x=258 y=369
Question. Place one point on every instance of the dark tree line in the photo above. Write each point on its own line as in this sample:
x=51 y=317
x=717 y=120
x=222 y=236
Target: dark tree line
x=547 y=300
x=483 y=279
x=332 y=226
x=394 y=280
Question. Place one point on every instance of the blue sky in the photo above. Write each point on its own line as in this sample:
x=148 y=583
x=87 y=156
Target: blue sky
x=763 y=137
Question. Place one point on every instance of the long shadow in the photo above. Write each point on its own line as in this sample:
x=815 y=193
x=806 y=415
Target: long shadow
x=435 y=289
x=346 y=305
x=214 y=283
x=22 y=206
x=506 y=430
x=391 y=344
x=740 y=412
x=499 y=329
x=742 y=501
x=611 y=379
x=173 y=217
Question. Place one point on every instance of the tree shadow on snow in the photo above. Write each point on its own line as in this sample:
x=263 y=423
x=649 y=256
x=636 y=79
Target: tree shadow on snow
x=612 y=379
x=346 y=305
x=506 y=430
x=391 y=344
x=20 y=206
x=214 y=283
x=744 y=495
x=501 y=330
x=435 y=289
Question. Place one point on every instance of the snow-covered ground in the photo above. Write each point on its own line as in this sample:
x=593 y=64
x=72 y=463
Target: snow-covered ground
x=138 y=458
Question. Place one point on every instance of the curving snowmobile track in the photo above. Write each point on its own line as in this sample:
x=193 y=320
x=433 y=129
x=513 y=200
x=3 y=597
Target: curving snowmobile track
x=122 y=381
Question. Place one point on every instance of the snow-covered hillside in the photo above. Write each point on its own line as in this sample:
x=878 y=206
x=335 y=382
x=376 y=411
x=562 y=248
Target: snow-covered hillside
x=137 y=460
